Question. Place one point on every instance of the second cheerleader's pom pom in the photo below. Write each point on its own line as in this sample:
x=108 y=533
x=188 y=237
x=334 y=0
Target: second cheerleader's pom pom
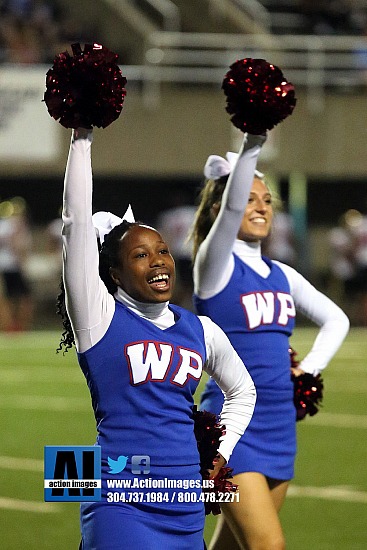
x=85 y=89
x=308 y=394
x=308 y=391
x=258 y=95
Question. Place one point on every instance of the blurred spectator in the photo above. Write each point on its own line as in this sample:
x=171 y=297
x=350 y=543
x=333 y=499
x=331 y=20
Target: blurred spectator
x=359 y=230
x=342 y=264
x=29 y=31
x=34 y=31
x=54 y=249
x=53 y=237
x=16 y=312
x=43 y=269
x=17 y=8
x=348 y=261
x=333 y=16
x=280 y=244
x=175 y=224
x=22 y=44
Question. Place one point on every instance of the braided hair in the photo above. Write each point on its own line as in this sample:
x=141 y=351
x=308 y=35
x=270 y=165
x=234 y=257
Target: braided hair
x=108 y=257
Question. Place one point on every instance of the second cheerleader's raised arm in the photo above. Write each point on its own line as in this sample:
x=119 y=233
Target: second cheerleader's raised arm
x=214 y=261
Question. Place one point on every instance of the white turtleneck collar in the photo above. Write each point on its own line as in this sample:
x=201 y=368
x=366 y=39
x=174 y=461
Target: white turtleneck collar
x=250 y=253
x=243 y=248
x=159 y=314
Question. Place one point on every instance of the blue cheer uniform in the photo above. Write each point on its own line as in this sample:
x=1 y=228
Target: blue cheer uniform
x=148 y=383
x=257 y=315
x=142 y=362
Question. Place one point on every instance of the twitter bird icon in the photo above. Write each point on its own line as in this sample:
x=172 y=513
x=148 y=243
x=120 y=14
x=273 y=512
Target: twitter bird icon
x=116 y=466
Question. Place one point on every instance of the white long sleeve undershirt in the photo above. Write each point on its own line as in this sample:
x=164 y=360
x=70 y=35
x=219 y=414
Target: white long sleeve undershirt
x=214 y=263
x=91 y=307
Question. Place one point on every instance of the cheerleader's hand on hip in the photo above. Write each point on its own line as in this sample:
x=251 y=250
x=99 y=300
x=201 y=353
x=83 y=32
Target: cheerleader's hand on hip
x=218 y=463
x=296 y=371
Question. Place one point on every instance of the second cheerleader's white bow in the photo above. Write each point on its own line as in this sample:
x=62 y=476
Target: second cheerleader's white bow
x=217 y=167
x=104 y=222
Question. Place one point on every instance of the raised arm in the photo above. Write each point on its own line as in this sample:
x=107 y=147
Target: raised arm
x=214 y=263
x=90 y=307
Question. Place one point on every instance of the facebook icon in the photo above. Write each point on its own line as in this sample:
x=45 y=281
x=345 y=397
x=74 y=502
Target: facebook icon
x=140 y=464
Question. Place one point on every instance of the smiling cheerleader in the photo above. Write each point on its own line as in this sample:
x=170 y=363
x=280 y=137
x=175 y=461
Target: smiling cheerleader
x=254 y=300
x=141 y=356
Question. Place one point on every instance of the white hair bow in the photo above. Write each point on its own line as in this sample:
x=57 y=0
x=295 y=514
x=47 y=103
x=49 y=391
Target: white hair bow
x=104 y=222
x=216 y=167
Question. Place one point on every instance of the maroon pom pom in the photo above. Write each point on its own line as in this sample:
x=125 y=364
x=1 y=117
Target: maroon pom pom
x=221 y=485
x=85 y=89
x=258 y=95
x=207 y=433
x=308 y=394
x=308 y=390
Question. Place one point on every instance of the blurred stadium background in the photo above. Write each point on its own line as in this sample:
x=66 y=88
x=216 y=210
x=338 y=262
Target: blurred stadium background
x=174 y=54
